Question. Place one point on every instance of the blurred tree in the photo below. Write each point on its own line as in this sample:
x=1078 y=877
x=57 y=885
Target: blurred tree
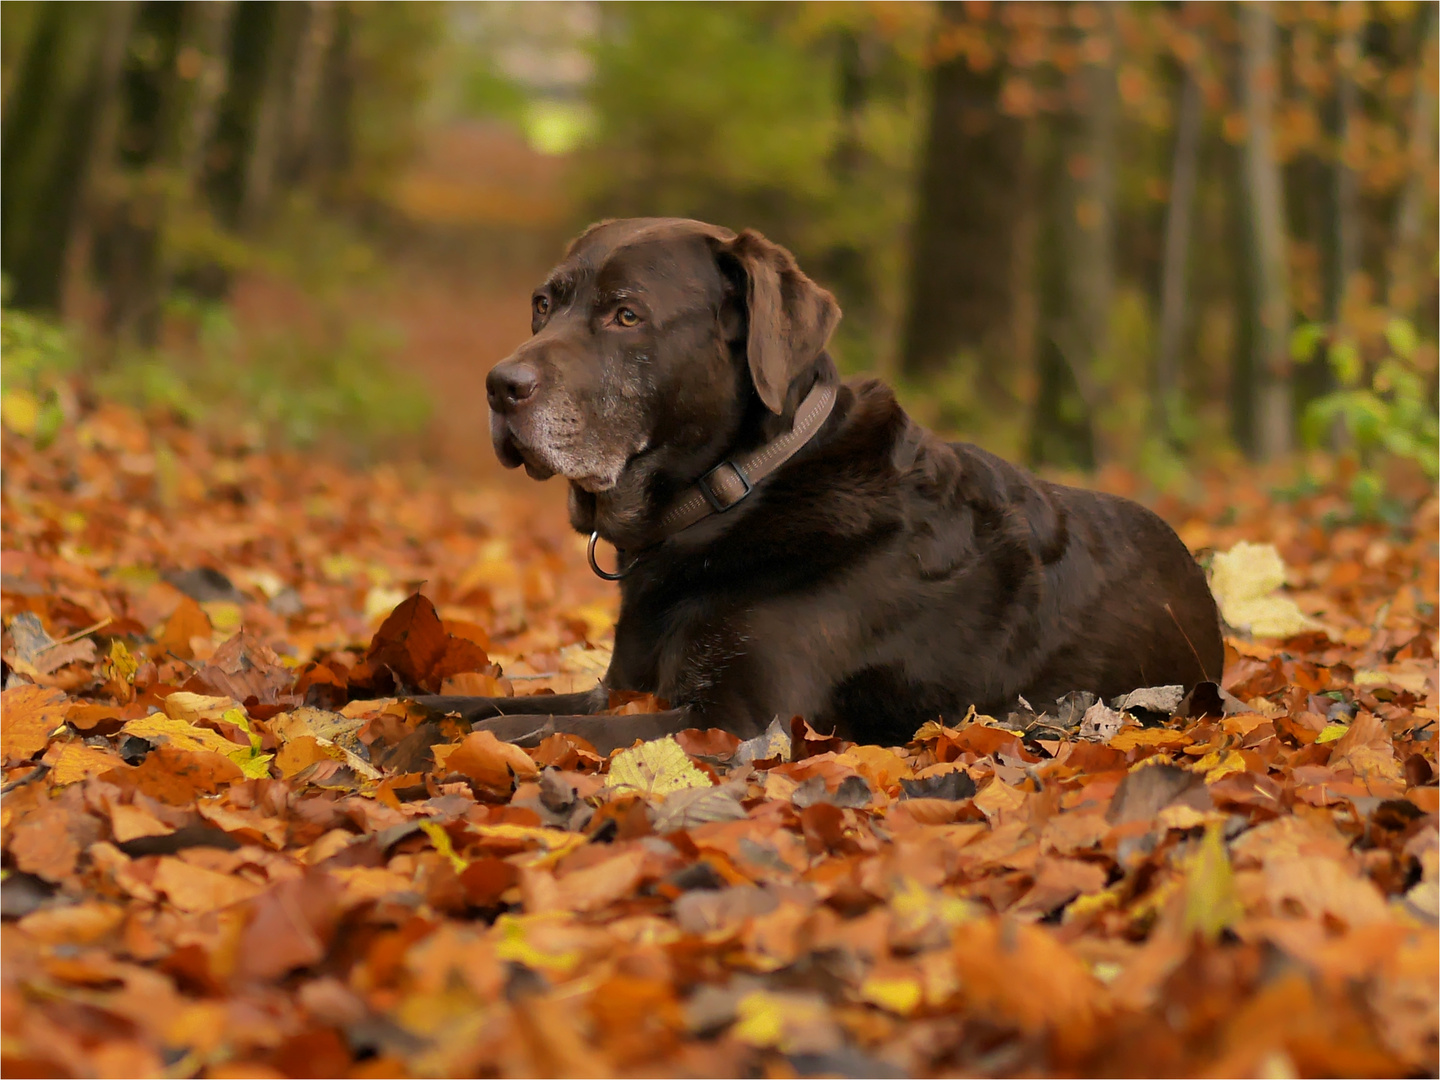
x=1174 y=276
x=796 y=120
x=1079 y=241
x=69 y=68
x=963 y=238
x=1275 y=409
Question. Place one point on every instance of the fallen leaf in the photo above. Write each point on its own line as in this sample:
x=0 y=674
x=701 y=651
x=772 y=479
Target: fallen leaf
x=1211 y=902
x=32 y=714
x=654 y=769
x=1245 y=581
x=193 y=888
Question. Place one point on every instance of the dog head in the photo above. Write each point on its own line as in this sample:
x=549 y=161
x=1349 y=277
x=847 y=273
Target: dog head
x=652 y=342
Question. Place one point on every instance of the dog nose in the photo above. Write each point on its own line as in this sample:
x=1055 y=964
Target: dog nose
x=509 y=384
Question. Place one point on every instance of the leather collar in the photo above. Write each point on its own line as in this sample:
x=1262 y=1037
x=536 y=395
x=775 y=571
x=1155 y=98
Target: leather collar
x=728 y=483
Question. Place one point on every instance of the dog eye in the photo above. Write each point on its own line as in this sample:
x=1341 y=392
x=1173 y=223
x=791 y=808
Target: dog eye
x=541 y=304
x=626 y=317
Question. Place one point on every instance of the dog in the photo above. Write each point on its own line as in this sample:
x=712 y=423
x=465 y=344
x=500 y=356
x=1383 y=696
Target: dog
x=790 y=545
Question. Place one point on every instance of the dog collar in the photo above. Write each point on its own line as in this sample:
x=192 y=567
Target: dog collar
x=728 y=483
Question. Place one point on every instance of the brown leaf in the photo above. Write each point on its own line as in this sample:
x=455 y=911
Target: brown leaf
x=31 y=713
x=243 y=668
x=194 y=888
x=460 y=657
x=177 y=777
x=187 y=621
x=410 y=642
x=492 y=764
x=290 y=926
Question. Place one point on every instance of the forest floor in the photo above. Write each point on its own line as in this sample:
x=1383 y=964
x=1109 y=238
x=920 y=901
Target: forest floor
x=213 y=867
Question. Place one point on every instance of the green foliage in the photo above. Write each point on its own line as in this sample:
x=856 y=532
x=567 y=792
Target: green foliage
x=733 y=113
x=38 y=355
x=1378 y=409
x=339 y=385
x=301 y=388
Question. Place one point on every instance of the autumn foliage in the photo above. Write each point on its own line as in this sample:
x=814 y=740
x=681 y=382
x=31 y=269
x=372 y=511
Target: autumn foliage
x=232 y=849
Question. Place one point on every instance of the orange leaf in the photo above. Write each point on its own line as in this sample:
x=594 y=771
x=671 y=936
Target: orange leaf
x=188 y=621
x=31 y=713
x=492 y=764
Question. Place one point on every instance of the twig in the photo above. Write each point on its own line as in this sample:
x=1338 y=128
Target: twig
x=77 y=635
x=34 y=774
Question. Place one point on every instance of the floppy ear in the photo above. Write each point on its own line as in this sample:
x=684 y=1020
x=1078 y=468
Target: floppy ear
x=790 y=317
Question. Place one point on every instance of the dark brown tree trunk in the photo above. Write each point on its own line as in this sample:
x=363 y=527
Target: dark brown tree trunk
x=1275 y=411
x=45 y=151
x=1403 y=289
x=191 y=88
x=99 y=176
x=1174 y=291
x=1079 y=244
x=962 y=246
x=316 y=41
x=267 y=127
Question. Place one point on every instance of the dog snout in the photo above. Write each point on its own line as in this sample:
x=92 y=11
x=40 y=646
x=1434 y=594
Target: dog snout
x=510 y=384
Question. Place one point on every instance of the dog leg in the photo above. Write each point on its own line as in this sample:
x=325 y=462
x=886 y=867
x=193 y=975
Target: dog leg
x=483 y=708
x=605 y=733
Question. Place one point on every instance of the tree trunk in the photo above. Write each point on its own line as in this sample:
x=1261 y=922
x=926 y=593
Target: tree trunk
x=1345 y=195
x=204 y=68
x=99 y=175
x=1407 y=252
x=267 y=131
x=1260 y=77
x=1176 y=258
x=49 y=116
x=315 y=44
x=1076 y=304
x=191 y=88
x=844 y=265
x=963 y=239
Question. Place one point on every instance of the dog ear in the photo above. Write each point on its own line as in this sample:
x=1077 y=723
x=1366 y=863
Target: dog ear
x=790 y=317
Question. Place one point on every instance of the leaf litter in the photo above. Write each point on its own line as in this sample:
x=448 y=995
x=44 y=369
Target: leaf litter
x=231 y=848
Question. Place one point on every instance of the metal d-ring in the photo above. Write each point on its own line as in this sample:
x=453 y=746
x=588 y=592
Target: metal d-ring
x=619 y=555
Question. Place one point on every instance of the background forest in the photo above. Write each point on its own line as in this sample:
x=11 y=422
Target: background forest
x=1084 y=235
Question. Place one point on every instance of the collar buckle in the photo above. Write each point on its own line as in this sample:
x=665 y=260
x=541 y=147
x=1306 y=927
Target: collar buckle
x=713 y=492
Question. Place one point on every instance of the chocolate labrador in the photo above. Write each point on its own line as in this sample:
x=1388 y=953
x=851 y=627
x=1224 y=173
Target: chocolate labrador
x=791 y=545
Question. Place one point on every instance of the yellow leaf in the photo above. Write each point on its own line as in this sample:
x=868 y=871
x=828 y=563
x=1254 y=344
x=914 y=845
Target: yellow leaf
x=896 y=994
x=253 y=765
x=655 y=769
x=515 y=945
x=1092 y=903
x=188 y=707
x=441 y=839
x=764 y=1019
x=177 y=733
x=20 y=412
x=1211 y=901
x=77 y=761
x=1332 y=732
x=883 y=768
x=121 y=665
x=1219 y=763
x=1244 y=581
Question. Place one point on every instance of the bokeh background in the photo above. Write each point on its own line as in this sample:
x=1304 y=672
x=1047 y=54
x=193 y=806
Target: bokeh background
x=1091 y=236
